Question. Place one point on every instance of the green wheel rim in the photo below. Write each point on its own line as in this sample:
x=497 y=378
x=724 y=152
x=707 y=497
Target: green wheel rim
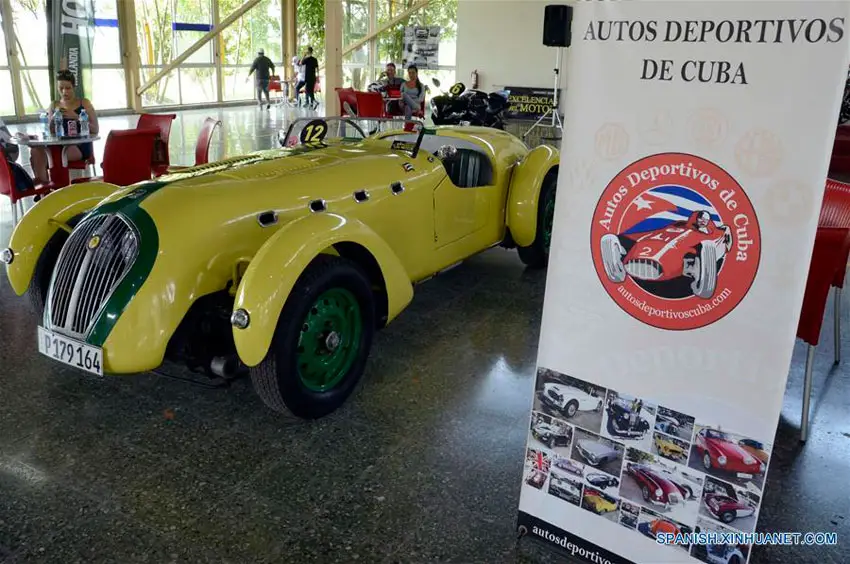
x=548 y=221
x=329 y=342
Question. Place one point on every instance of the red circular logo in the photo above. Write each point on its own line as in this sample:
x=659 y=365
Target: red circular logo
x=675 y=241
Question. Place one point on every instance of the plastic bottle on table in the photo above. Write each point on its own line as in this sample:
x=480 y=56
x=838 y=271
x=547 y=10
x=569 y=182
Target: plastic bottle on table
x=58 y=129
x=44 y=118
x=84 y=123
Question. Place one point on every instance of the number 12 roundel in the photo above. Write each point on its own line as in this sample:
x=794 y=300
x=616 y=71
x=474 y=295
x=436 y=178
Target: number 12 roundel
x=314 y=132
x=675 y=241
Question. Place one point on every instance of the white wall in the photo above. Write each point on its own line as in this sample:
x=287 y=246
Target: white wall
x=503 y=39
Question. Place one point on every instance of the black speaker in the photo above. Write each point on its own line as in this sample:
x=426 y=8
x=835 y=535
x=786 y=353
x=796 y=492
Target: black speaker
x=556 y=25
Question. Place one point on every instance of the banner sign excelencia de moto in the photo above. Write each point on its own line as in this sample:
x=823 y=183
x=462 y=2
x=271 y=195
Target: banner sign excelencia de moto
x=696 y=144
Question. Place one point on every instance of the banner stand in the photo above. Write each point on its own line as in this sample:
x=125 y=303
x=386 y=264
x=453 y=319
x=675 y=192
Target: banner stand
x=693 y=167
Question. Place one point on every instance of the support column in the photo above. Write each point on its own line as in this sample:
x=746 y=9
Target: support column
x=12 y=54
x=333 y=55
x=130 y=58
x=373 y=43
x=290 y=36
x=218 y=54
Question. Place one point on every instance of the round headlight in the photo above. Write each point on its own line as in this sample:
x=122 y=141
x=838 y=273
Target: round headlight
x=7 y=256
x=658 y=492
x=721 y=459
x=240 y=319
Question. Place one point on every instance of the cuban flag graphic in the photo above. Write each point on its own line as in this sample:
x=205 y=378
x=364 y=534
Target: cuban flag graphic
x=659 y=207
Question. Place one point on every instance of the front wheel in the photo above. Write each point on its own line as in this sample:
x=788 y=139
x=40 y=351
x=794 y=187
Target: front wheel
x=537 y=254
x=321 y=343
x=705 y=272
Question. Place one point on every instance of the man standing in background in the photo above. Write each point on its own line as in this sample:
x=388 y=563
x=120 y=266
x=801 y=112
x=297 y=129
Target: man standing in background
x=311 y=68
x=264 y=67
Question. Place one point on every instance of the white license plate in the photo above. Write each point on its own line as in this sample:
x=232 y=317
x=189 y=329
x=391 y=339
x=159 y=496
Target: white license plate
x=744 y=475
x=70 y=352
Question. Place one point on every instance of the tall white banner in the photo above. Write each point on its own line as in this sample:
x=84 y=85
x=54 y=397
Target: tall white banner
x=696 y=145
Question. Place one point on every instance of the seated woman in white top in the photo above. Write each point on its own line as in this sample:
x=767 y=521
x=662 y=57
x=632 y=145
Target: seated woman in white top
x=412 y=92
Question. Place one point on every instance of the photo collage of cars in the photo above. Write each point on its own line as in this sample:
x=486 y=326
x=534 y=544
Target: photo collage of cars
x=642 y=465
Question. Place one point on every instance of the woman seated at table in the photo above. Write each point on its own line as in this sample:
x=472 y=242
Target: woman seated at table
x=412 y=92
x=71 y=107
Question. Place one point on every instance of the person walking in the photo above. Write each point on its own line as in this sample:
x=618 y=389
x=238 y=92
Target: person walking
x=264 y=68
x=298 y=72
x=311 y=72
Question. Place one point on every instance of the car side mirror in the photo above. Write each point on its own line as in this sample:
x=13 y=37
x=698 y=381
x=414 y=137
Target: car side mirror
x=447 y=152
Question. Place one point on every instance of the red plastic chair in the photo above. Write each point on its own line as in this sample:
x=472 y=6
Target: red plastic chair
x=8 y=188
x=835 y=212
x=163 y=123
x=202 y=146
x=275 y=85
x=127 y=156
x=840 y=162
x=829 y=256
x=370 y=105
x=346 y=95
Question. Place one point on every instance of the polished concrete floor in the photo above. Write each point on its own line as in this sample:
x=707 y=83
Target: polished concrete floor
x=422 y=465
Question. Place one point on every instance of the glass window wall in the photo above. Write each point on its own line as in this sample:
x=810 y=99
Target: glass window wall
x=166 y=28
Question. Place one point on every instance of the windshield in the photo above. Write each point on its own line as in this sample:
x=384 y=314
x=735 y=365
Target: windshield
x=716 y=435
x=312 y=132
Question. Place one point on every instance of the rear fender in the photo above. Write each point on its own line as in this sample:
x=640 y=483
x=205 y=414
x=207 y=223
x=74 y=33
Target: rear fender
x=279 y=263
x=41 y=222
x=524 y=194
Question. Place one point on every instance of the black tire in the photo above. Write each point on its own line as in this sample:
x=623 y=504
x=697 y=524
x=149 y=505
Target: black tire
x=276 y=379
x=37 y=291
x=571 y=409
x=645 y=492
x=727 y=516
x=537 y=255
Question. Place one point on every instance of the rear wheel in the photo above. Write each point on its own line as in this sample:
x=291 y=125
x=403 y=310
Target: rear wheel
x=537 y=255
x=322 y=341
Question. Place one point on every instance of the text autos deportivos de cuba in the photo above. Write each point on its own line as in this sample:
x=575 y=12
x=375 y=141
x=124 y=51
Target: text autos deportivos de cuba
x=742 y=31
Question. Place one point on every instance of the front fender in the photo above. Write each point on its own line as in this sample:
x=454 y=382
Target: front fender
x=525 y=193
x=41 y=222
x=275 y=269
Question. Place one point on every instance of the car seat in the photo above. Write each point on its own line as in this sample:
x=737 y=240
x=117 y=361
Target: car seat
x=468 y=169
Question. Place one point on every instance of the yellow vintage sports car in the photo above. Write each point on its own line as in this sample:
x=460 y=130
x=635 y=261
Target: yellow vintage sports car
x=668 y=448
x=283 y=261
x=599 y=502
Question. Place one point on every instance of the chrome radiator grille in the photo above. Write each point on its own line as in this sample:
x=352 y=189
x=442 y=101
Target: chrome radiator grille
x=92 y=263
x=644 y=269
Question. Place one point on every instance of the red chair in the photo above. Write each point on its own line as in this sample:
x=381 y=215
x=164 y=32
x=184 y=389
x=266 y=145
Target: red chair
x=127 y=156
x=202 y=146
x=835 y=212
x=832 y=245
x=163 y=123
x=8 y=188
x=840 y=162
x=275 y=85
x=346 y=95
x=370 y=104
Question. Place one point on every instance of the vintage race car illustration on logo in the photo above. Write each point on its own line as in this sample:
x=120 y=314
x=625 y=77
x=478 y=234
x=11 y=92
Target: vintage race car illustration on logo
x=675 y=241
x=694 y=249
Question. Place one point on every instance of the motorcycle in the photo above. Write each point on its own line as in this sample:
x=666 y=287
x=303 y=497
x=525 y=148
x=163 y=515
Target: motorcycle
x=460 y=106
